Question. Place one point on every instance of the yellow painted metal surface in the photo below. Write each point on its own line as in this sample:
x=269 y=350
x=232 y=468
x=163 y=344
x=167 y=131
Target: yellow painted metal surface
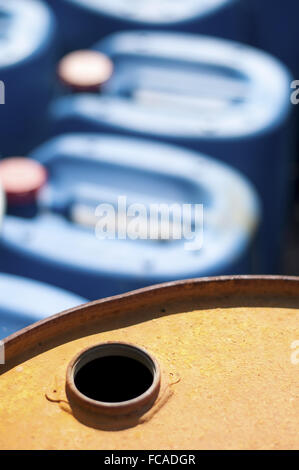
x=228 y=382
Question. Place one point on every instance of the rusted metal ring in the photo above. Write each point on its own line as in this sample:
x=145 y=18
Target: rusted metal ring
x=138 y=404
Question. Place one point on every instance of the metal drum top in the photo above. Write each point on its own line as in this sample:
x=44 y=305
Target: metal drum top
x=223 y=354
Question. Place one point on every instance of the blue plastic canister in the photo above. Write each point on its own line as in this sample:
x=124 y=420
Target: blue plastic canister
x=2 y=205
x=24 y=301
x=27 y=72
x=82 y=22
x=219 y=97
x=59 y=244
x=275 y=30
x=274 y=27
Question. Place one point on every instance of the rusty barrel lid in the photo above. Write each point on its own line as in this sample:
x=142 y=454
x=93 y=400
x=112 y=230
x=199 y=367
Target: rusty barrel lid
x=204 y=363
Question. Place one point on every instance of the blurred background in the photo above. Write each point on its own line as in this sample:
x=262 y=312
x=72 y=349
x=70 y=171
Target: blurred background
x=159 y=102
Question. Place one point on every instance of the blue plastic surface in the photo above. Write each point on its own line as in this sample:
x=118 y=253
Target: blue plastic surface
x=24 y=301
x=27 y=70
x=82 y=22
x=2 y=206
x=219 y=97
x=59 y=245
x=274 y=27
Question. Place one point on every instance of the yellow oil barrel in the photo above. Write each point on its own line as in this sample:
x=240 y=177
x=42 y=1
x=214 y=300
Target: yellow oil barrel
x=202 y=364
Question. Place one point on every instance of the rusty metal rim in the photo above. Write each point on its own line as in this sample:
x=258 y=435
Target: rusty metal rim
x=120 y=408
x=49 y=328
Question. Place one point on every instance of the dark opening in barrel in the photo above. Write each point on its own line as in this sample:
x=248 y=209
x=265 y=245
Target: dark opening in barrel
x=113 y=379
x=115 y=373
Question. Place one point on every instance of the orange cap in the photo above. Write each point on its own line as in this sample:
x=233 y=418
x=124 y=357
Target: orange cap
x=21 y=179
x=85 y=70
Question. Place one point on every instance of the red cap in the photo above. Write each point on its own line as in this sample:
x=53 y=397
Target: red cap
x=21 y=179
x=85 y=70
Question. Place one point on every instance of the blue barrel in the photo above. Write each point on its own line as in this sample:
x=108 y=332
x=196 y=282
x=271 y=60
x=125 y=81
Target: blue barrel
x=2 y=206
x=64 y=243
x=82 y=22
x=219 y=97
x=26 y=72
x=274 y=28
x=24 y=301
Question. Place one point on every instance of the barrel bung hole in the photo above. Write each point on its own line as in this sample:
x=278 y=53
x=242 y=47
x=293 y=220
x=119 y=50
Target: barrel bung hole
x=114 y=373
x=113 y=379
